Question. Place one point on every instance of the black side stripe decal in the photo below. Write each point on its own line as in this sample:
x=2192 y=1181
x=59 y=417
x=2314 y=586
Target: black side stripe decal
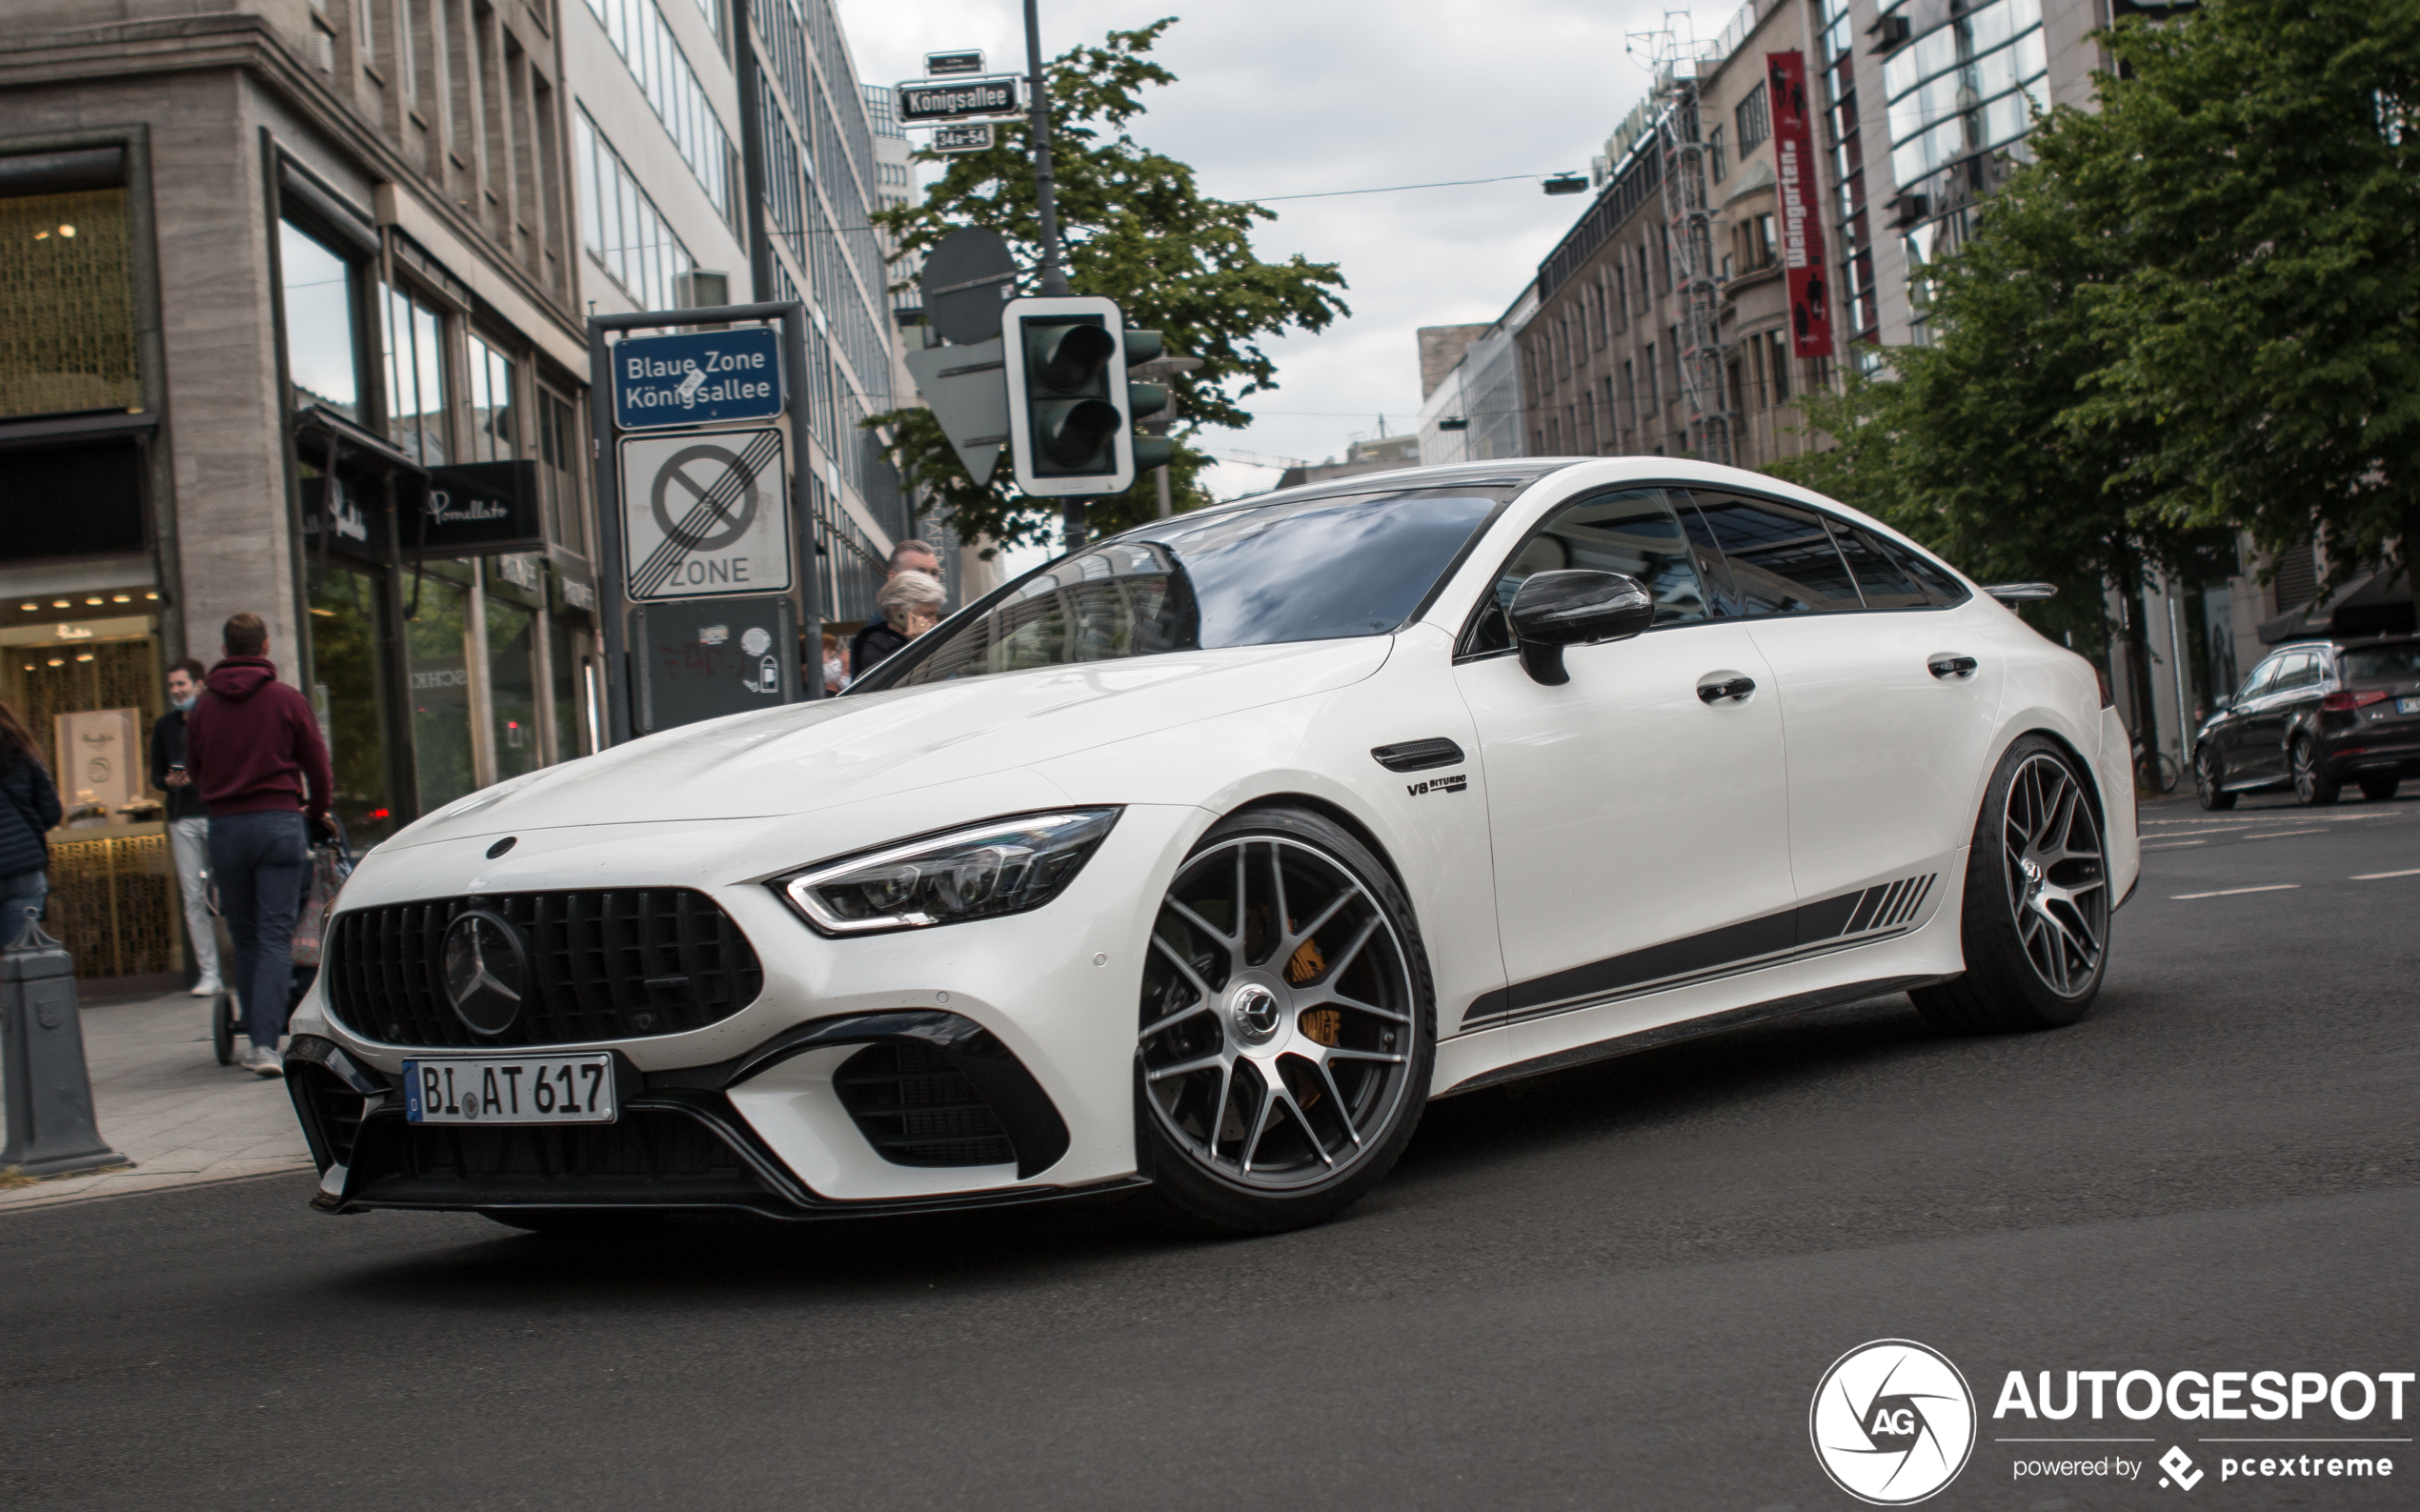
x=1886 y=906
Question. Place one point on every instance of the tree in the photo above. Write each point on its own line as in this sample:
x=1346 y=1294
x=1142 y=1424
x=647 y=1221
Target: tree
x=1974 y=446
x=2255 y=169
x=1138 y=230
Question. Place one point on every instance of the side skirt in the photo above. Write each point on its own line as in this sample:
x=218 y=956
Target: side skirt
x=1690 y=1029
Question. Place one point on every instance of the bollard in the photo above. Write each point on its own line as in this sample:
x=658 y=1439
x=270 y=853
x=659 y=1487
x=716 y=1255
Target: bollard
x=50 y=1092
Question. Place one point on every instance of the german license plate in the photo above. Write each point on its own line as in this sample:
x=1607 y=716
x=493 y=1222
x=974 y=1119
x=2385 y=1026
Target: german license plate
x=2408 y=706
x=528 y=1089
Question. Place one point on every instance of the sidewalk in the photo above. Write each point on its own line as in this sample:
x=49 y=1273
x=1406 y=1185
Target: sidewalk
x=167 y=1104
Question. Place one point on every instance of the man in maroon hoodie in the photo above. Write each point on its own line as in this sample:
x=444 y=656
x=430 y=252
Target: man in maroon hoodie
x=254 y=752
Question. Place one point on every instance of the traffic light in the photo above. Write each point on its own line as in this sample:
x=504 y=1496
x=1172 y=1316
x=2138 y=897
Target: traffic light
x=1147 y=407
x=1070 y=422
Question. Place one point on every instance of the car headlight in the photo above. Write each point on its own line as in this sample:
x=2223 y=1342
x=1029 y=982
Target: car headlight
x=1003 y=866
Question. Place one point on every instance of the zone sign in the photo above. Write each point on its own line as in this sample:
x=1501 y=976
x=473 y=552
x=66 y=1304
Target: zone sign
x=699 y=378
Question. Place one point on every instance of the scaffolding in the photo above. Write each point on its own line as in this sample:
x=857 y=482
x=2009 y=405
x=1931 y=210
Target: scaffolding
x=1673 y=55
x=1696 y=297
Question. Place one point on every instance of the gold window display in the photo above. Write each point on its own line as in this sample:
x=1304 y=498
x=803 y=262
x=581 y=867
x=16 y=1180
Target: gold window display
x=113 y=898
x=66 y=304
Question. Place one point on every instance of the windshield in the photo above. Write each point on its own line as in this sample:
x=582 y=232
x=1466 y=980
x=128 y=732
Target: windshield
x=2400 y=660
x=1316 y=568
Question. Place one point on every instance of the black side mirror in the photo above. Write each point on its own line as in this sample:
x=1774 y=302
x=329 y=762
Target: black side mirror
x=1554 y=610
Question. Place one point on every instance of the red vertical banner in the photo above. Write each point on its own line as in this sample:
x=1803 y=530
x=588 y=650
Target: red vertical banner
x=1802 y=205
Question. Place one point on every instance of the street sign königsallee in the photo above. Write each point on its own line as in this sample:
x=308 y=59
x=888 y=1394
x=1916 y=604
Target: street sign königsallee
x=923 y=102
x=970 y=137
x=697 y=379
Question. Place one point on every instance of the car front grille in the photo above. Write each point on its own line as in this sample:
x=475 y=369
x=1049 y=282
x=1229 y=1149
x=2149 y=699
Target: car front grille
x=617 y=964
x=648 y=1157
x=915 y=1108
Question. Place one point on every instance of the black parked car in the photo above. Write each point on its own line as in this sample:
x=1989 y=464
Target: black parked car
x=2314 y=715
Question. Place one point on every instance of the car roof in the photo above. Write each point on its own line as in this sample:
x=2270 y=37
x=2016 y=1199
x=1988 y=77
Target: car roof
x=2341 y=642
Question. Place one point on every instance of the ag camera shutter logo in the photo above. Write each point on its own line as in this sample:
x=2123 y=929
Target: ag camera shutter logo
x=1892 y=1421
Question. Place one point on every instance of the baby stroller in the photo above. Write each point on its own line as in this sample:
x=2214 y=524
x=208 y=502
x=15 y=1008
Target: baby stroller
x=331 y=864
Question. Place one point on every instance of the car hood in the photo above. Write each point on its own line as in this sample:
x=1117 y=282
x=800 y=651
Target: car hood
x=820 y=754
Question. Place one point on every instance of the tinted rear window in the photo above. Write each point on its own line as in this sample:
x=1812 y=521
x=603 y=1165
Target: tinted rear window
x=1320 y=568
x=2363 y=663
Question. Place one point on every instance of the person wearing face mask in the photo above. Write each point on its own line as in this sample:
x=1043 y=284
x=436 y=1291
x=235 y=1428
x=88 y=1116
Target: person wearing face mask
x=188 y=821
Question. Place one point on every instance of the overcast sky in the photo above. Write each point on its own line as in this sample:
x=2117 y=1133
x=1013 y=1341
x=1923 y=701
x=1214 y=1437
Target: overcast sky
x=1300 y=96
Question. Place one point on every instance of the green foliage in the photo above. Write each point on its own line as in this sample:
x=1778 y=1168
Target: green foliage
x=1138 y=230
x=2258 y=172
x=2192 y=313
x=1973 y=448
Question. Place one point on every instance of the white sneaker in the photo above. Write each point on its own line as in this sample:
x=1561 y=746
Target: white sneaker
x=207 y=988
x=265 y=1063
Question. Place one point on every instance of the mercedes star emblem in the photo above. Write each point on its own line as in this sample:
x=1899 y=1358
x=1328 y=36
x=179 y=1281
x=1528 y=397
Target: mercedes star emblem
x=486 y=971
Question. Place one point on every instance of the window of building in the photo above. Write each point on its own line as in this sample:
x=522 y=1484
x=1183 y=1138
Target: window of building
x=640 y=34
x=1655 y=400
x=414 y=332
x=66 y=304
x=347 y=607
x=494 y=416
x=559 y=445
x=1754 y=117
x=1778 y=361
x=621 y=227
x=1718 y=168
x=317 y=291
x=513 y=686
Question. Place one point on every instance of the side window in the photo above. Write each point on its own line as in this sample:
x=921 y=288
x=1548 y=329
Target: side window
x=2258 y=682
x=1634 y=532
x=2301 y=671
x=1942 y=589
x=1781 y=557
x=1881 y=579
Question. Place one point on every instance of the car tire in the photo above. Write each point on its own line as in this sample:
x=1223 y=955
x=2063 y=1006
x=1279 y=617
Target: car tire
x=2208 y=773
x=2314 y=789
x=1286 y=1030
x=2380 y=790
x=2034 y=921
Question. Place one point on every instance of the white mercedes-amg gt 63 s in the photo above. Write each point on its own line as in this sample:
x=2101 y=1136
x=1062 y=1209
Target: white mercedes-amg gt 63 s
x=1199 y=860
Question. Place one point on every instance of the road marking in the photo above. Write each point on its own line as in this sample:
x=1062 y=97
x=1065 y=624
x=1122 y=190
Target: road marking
x=2230 y=891
x=2175 y=845
x=2380 y=877
x=2279 y=834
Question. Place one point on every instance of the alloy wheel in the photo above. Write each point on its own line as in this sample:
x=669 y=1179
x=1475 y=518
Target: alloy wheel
x=2058 y=886
x=2205 y=775
x=1277 y=1015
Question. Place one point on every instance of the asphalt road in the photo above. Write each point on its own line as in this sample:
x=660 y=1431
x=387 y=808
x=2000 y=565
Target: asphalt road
x=1614 y=1287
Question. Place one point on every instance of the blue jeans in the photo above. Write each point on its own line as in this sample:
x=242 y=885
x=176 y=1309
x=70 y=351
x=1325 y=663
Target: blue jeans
x=258 y=862
x=20 y=900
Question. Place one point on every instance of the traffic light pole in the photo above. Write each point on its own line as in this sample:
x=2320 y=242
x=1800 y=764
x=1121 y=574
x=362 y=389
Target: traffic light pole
x=1046 y=207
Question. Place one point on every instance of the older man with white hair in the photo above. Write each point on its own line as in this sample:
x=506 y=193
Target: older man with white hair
x=878 y=638
x=911 y=603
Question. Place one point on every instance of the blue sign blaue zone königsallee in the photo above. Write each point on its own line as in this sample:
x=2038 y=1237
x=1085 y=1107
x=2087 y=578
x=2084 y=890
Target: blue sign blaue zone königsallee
x=699 y=379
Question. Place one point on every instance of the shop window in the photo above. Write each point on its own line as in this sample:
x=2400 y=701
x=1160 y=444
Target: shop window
x=494 y=414
x=317 y=292
x=415 y=376
x=512 y=687
x=66 y=304
x=436 y=645
x=347 y=608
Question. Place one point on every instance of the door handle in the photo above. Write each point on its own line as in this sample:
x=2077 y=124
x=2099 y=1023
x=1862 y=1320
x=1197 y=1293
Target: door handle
x=1730 y=689
x=1947 y=667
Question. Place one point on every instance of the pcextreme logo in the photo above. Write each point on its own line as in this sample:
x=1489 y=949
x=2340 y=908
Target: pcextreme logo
x=1892 y=1421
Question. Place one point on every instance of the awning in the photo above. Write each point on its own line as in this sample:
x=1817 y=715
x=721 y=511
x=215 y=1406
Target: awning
x=2378 y=604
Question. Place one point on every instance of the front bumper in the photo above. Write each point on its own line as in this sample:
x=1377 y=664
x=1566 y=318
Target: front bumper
x=1037 y=1011
x=681 y=1143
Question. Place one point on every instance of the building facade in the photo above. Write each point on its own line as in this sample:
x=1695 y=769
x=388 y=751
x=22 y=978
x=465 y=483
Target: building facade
x=293 y=299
